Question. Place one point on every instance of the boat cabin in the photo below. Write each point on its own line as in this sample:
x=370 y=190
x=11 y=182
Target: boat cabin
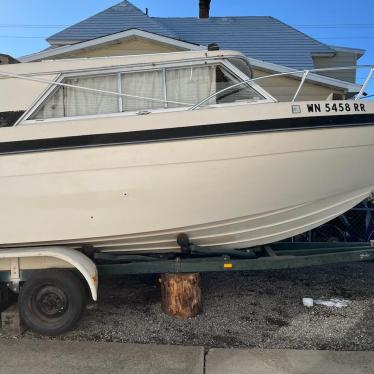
x=130 y=85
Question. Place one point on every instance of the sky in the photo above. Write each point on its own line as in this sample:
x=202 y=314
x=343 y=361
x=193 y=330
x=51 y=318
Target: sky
x=24 y=24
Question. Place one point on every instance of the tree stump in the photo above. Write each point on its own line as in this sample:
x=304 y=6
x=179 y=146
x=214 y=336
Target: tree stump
x=181 y=294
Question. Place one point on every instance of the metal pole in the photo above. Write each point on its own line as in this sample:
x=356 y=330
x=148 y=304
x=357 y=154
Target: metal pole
x=120 y=97
x=306 y=72
x=363 y=88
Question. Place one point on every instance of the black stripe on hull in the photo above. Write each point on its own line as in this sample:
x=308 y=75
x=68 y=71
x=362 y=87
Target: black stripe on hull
x=188 y=132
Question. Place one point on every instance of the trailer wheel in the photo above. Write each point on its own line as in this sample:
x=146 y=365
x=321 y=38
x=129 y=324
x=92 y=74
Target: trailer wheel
x=52 y=301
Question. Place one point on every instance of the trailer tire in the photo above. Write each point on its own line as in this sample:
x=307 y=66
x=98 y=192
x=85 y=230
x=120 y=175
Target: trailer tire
x=52 y=301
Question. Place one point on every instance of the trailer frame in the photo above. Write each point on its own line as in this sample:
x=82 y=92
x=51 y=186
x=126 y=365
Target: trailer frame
x=191 y=259
x=43 y=273
x=284 y=255
x=269 y=257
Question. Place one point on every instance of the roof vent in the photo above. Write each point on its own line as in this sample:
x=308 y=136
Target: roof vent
x=213 y=47
x=223 y=20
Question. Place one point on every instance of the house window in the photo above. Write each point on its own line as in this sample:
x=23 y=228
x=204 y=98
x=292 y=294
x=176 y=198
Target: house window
x=145 y=90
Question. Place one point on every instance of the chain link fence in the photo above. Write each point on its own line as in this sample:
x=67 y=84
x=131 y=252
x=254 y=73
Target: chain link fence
x=356 y=225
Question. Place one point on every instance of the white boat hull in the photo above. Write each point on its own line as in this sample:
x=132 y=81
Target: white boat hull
x=231 y=191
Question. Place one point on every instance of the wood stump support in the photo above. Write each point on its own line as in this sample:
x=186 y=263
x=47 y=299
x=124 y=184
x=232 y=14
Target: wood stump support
x=181 y=294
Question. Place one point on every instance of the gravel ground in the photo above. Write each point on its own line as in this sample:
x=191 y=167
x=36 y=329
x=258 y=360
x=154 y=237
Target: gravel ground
x=252 y=309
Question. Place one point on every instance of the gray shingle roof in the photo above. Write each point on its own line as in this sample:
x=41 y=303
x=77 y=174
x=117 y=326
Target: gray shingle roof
x=120 y=17
x=263 y=38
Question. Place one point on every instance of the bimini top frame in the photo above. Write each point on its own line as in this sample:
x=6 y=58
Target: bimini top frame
x=305 y=74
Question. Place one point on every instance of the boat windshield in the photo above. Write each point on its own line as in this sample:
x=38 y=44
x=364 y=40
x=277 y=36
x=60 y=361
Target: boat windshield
x=164 y=88
x=243 y=65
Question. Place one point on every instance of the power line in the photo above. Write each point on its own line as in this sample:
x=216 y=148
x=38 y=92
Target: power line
x=301 y=25
x=316 y=37
x=344 y=37
x=22 y=37
x=21 y=25
x=327 y=25
x=32 y=27
x=337 y=25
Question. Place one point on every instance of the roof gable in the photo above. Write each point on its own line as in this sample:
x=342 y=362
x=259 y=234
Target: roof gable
x=120 y=17
x=108 y=39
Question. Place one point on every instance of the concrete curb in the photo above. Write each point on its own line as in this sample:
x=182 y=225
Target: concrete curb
x=248 y=361
x=61 y=357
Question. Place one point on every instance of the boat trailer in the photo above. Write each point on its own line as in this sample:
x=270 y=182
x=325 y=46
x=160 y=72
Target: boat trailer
x=52 y=282
x=193 y=258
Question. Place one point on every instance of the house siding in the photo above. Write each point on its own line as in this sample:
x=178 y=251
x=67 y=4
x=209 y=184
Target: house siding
x=284 y=88
x=339 y=60
x=6 y=59
x=133 y=46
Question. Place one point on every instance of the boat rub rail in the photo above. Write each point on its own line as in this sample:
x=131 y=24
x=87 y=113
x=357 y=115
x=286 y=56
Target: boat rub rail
x=187 y=132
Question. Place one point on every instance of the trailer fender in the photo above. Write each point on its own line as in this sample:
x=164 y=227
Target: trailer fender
x=73 y=257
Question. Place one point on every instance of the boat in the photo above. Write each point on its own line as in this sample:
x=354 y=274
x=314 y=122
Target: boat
x=122 y=154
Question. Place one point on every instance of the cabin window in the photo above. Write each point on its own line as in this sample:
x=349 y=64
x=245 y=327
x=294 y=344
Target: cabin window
x=80 y=102
x=145 y=90
x=189 y=86
x=67 y=101
x=53 y=107
x=243 y=92
x=243 y=65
